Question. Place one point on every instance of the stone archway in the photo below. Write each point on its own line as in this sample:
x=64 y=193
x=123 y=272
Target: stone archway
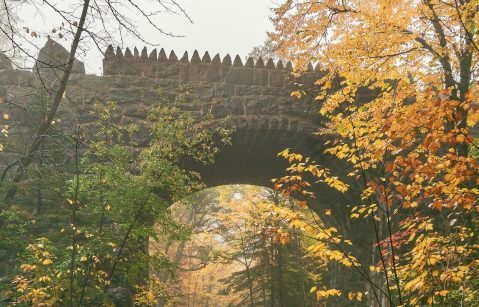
x=254 y=96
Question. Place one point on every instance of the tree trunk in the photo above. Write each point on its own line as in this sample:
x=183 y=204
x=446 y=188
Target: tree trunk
x=41 y=134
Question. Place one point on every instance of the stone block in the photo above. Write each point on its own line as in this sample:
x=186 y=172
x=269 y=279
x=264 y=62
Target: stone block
x=148 y=68
x=264 y=105
x=5 y=62
x=150 y=97
x=21 y=92
x=123 y=96
x=212 y=72
x=9 y=77
x=129 y=66
x=111 y=66
x=261 y=76
x=235 y=106
x=274 y=123
x=53 y=58
x=240 y=75
x=205 y=91
x=276 y=78
x=167 y=70
x=224 y=90
x=27 y=78
x=219 y=110
x=194 y=72
x=184 y=71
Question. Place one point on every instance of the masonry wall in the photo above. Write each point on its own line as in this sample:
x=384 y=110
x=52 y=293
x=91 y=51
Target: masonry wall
x=254 y=95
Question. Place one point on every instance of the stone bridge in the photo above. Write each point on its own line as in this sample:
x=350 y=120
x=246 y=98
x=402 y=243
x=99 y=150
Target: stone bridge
x=255 y=96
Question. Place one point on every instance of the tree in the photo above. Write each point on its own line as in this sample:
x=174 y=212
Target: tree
x=5 y=7
x=259 y=259
x=97 y=19
x=407 y=143
x=266 y=51
x=115 y=202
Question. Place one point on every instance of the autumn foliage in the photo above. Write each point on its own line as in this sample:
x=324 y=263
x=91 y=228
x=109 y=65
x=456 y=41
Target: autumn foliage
x=399 y=111
x=409 y=141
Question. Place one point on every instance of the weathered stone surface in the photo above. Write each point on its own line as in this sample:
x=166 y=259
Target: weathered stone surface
x=133 y=79
x=206 y=58
x=240 y=75
x=204 y=91
x=184 y=58
x=194 y=71
x=122 y=96
x=162 y=56
x=235 y=106
x=255 y=97
x=150 y=97
x=270 y=64
x=261 y=77
x=264 y=105
x=26 y=78
x=277 y=79
x=54 y=56
x=5 y=62
x=169 y=70
x=259 y=63
x=9 y=77
x=224 y=90
x=227 y=60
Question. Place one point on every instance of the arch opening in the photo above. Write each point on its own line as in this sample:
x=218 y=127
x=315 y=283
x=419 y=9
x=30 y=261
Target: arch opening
x=242 y=250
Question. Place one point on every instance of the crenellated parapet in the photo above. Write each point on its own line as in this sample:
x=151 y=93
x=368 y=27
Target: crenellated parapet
x=253 y=94
x=156 y=64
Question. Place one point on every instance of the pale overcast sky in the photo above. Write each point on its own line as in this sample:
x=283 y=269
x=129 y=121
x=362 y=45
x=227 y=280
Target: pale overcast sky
x=220 y=26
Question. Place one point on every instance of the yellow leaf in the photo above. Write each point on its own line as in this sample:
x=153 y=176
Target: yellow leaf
x=298 y=157
x=411 y=237
x=443 y=292
x=359 y=296
x=433 y=260
x=296 y=94
x=45 y=278
x=473 y=118
x=284 y=153
x=47 y=262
